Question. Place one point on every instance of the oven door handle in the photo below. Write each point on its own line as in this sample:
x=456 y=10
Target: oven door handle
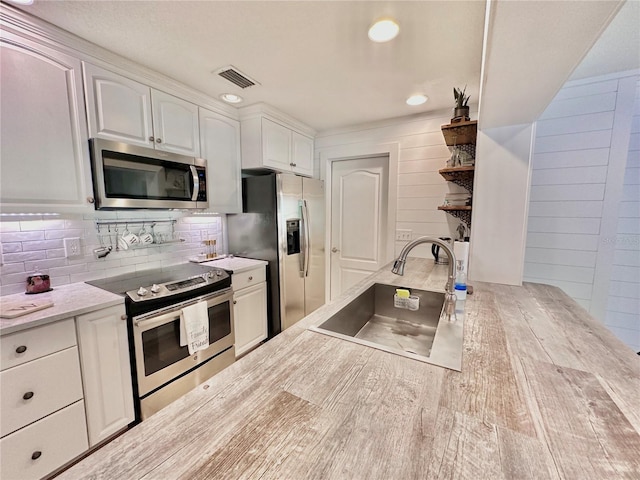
x=221 y=296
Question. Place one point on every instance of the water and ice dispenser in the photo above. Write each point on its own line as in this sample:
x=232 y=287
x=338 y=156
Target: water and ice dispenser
x=293 y=236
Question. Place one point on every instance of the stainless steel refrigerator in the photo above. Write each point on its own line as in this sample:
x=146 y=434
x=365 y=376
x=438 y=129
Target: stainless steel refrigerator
x=283 y=223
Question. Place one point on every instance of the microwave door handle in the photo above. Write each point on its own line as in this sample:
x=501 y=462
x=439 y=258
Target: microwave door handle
x=196 y=182
x=307 y=249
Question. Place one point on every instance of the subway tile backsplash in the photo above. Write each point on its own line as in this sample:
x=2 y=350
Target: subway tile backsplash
x=30 y=244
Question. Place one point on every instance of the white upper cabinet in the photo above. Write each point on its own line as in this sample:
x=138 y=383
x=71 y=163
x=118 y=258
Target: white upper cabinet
x=124 y=110
x=276 y=145
x=220 y=146
x=118 y=109
x=268 y=141
x=302 y=154
x=175 y=124
x=45 y=154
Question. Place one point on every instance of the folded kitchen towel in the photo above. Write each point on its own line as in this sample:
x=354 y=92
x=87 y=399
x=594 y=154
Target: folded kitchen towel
x=194 y=327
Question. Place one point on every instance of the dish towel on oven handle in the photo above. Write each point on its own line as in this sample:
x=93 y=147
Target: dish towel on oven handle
x=194 y=327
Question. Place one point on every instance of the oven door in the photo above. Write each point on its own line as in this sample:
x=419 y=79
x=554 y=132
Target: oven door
x=159 y=356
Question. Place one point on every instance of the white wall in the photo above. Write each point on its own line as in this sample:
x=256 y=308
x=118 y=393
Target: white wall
x=623 y=307
x=31 y=243
x=580 y=152
x=422 y=152
x=500 y=204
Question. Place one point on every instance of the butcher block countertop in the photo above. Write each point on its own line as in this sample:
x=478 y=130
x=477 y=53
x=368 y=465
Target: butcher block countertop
x=545 y=392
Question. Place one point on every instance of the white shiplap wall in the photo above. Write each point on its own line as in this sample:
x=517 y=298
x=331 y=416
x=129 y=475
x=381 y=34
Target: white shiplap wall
x=579 y=153
x=28 y=244
x=623 y=308
x=420 y=187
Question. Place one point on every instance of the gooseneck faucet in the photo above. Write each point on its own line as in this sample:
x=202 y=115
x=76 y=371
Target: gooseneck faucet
x=450 y=297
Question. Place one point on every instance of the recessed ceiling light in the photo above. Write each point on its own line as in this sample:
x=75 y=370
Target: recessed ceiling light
x=22 y=2
x=416 y=100
x=231 y=98
x=383 y=30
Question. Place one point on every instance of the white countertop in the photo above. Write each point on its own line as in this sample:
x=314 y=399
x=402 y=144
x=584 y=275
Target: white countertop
x=236 y=264
x=68 y=301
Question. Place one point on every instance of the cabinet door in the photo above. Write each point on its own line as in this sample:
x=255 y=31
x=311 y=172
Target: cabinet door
x=38 y=449
x=276 y=145
x=302 y=154
x=220 y=146
x=250 y=317
x=45 y=153
x=106 y=374
x=175 y=124
x=118 y=108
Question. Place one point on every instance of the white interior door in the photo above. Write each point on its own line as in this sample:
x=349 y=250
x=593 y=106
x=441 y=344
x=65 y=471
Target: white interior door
x=359 y=197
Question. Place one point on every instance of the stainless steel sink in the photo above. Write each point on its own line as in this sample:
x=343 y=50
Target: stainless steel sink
x=371 y=319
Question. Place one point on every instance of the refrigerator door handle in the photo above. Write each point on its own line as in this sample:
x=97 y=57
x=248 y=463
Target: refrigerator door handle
x=307 y=233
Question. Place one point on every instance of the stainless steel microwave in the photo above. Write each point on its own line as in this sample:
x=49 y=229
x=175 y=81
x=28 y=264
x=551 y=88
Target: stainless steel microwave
x=127 y=176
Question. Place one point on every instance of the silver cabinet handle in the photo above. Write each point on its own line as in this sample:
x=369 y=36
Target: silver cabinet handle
x=90 y=199
x=250 y=278
x=123 y=317
x=335 y=250
x=151 y=139
x=21 y=349
x=158 y=140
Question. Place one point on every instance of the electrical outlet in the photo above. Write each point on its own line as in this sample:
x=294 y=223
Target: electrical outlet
x=403 y=235
x=71 y=247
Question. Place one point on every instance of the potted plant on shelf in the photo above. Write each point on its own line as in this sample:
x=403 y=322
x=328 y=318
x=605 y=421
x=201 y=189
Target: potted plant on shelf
x=461 y=109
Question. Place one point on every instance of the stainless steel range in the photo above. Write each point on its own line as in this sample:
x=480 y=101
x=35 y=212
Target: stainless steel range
x=162 y=369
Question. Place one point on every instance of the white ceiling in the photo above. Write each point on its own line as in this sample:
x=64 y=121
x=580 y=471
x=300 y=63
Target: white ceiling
x=314 y=61
x=312 y=58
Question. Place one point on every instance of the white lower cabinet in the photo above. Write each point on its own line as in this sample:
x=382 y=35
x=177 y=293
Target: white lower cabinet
x=41 y=447
x=249 y=309
x=106 y=372
x=42 y=416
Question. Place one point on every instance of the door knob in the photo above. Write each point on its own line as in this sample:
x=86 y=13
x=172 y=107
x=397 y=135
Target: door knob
x=335 y=250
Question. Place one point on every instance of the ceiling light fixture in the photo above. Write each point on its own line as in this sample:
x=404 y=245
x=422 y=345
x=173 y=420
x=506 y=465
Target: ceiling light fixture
x=22 y=2
x=414 y=100
x=231 y=98
x=383 y=30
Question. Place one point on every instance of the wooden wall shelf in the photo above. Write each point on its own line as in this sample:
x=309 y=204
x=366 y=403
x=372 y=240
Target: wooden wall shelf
x=462 y=176
x=462 y=213
x=460 y=133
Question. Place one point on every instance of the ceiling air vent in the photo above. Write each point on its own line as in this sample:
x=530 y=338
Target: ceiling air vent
x=232 y=74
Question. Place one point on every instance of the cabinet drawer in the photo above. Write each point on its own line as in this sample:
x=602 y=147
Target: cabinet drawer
x=20 y=347
x=248 y=278
x=54 y=441
x=35 y=389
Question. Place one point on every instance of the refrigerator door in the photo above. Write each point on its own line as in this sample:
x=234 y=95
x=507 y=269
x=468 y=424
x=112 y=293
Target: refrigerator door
x=313 y=196
x=290 y=227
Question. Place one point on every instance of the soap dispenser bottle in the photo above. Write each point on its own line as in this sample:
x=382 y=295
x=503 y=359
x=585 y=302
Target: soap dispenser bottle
x=461 y=281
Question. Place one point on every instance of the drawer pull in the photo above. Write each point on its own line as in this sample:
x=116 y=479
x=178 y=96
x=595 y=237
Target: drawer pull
x=21 y=349
x=36 y=455
x=250 y=278
x=28 y=396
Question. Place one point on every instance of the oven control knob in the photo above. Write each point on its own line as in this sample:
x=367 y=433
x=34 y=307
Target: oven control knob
x=142 y=291
x=155 y=288
x=219 y=273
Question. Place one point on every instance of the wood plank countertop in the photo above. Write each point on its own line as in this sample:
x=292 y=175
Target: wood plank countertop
x=545 y=392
